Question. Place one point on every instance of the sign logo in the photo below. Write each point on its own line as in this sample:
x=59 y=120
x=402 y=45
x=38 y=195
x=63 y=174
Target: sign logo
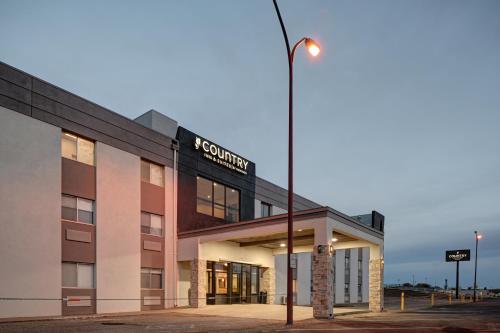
x=221 y=156
x=458 y=255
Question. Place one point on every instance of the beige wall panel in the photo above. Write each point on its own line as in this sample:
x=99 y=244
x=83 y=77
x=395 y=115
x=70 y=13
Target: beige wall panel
x=231 y=251
x=30 y=213
x=170 y=237
x=118 y=209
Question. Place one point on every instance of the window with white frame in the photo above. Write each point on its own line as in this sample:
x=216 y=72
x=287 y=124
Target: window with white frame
x=151 y=278
x=151 y=224
x=77 y=148
x=77 y=209
x=77 y=275
x=152 y=173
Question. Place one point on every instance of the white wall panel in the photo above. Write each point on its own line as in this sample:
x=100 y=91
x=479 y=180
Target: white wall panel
x=118 y=209
x=303 y=278
x=280 y=263
x=339 y=275
x=353 y=292
x=366 y=271
x=170 y=237
x=30 y=215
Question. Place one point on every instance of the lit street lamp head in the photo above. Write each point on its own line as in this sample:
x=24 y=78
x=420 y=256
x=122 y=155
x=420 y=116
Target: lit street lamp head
x=479 y=237
x=312 y=47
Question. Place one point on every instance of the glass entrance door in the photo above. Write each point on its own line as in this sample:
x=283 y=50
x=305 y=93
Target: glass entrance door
x=229 y=283
x=245 y=284
x=235 y=283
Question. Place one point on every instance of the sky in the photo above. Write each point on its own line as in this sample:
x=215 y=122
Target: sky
x=400 y=113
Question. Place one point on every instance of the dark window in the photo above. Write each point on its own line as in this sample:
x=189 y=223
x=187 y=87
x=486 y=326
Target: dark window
x=265 y=209
x=232 y=204
x=151 y=173
x=253 y=280
x=151 y=224
x=151 y=278
x=217 y=200
x=77 y=209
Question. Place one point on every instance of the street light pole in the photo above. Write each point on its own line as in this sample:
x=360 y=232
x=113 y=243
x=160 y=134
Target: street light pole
x=478 y=237
x=314 y=50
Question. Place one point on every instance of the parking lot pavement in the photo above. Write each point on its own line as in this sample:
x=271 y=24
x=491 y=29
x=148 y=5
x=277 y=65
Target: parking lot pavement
x=457 y=318
x=477 y=317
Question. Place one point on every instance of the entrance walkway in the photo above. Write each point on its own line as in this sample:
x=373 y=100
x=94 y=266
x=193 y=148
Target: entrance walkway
x=263 y=311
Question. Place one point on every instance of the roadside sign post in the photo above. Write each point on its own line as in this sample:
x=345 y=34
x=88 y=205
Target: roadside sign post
x=458 y=256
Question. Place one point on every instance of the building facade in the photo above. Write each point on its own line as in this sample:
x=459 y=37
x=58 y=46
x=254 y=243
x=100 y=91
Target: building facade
x=100 y=214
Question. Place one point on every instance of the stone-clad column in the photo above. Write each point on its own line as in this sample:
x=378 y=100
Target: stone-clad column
x=198 y=292
x=376 y=279
x=322 y=276
x=269 y=284
x=376 y=285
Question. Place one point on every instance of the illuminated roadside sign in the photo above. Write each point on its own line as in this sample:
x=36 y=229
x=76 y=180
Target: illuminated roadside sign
x=221 y=156
x=458 y=255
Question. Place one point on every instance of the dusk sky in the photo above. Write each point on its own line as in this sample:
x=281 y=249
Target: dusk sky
x=400 y=113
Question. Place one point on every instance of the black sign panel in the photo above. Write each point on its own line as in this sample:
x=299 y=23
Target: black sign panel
x=458 y=255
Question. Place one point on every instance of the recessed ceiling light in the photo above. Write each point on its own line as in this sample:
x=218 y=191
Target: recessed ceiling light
x=299 y=230
x=282 y=245
x=334 y=239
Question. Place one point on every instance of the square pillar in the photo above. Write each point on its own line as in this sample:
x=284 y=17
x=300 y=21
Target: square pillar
x=268 y=283
x=376 y=285
x=322 y=282
x=376 y=280
x=198 y=292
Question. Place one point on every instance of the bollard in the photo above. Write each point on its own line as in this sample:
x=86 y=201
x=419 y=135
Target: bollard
x=449 y=298
x=402 y=301
x=432 y=299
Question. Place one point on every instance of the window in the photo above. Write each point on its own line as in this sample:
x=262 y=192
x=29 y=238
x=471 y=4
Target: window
x=204 y=196
x=253 y=280
x=151 y=173
x=220 y=278
x=77 y=209
x=208 y=286
x=347 y=296
x=77 y=275
x=76 y=148
x=151 y=224
x=217 y=200
x=151 y=278
x=360 y=274
x=265 y=209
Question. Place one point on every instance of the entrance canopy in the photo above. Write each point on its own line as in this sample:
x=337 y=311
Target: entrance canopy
x=321 y=226
x=256 y=243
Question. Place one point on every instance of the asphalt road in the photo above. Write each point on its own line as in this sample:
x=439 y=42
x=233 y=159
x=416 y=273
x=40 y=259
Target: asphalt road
x=478 y=317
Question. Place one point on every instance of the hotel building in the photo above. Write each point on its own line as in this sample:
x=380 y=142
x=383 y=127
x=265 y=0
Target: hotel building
x=103 y=214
